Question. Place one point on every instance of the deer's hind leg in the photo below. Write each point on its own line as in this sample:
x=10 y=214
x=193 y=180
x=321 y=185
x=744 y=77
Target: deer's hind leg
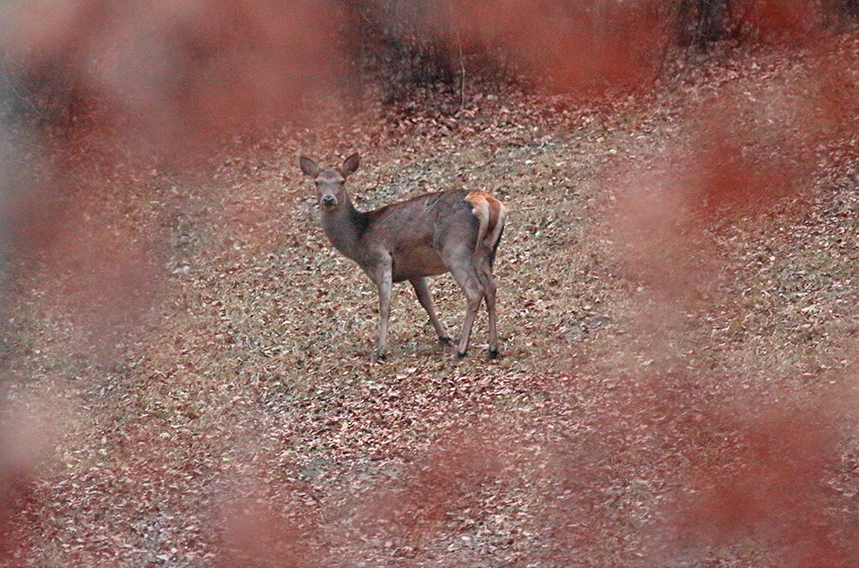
x=467 y=278
x=487 y=279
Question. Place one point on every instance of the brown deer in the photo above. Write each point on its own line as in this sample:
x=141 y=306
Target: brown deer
x=451 y=231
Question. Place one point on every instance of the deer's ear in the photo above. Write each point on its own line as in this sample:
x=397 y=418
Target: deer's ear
x=308 y=166
x=350 y=165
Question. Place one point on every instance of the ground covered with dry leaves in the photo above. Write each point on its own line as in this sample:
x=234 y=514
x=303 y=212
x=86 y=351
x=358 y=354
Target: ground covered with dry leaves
x=190 y=368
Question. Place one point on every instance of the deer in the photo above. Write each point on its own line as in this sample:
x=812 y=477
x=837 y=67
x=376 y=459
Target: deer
x=455 y=231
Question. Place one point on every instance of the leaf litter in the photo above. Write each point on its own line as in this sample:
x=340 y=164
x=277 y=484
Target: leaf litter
x=669 y=342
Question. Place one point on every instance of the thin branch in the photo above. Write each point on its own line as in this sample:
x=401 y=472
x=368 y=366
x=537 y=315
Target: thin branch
x=461 y=71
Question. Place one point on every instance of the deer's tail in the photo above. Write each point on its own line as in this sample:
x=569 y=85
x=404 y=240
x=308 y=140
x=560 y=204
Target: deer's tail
x=491 y=213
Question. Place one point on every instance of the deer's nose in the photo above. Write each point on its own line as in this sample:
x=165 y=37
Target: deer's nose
x=329 y=200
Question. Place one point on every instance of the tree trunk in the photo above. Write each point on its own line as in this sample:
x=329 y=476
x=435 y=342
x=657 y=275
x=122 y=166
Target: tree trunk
x=702 y=22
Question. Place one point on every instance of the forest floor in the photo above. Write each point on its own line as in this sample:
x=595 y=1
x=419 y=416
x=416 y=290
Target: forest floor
x=187 y=369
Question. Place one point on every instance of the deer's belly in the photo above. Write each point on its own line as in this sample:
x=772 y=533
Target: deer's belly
x=423 y=261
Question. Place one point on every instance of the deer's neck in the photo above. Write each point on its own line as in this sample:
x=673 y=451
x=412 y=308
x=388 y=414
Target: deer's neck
x=344 y=228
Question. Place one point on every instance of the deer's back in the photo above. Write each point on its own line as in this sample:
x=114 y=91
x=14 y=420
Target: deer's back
x=416 y=231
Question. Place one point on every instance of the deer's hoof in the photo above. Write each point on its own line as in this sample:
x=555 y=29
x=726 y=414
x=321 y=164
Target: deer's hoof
x=445 y=340
x=380 y=357
x=460 y=355
x=492 y=354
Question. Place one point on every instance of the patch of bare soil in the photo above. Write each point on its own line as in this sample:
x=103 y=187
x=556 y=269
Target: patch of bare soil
x=678 y=313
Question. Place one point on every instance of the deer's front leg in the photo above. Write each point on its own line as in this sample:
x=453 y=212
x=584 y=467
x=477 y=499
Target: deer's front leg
x=423 y=294
x=382 y=276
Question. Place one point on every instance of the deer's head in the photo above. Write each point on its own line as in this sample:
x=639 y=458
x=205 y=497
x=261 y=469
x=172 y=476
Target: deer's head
x=330 y=182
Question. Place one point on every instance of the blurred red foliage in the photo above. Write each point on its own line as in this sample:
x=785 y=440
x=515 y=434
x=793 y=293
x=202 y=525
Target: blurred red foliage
x=584 y=47
x=256 y=535
x=768 y=486
x=775 y=20
x=184 y=71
